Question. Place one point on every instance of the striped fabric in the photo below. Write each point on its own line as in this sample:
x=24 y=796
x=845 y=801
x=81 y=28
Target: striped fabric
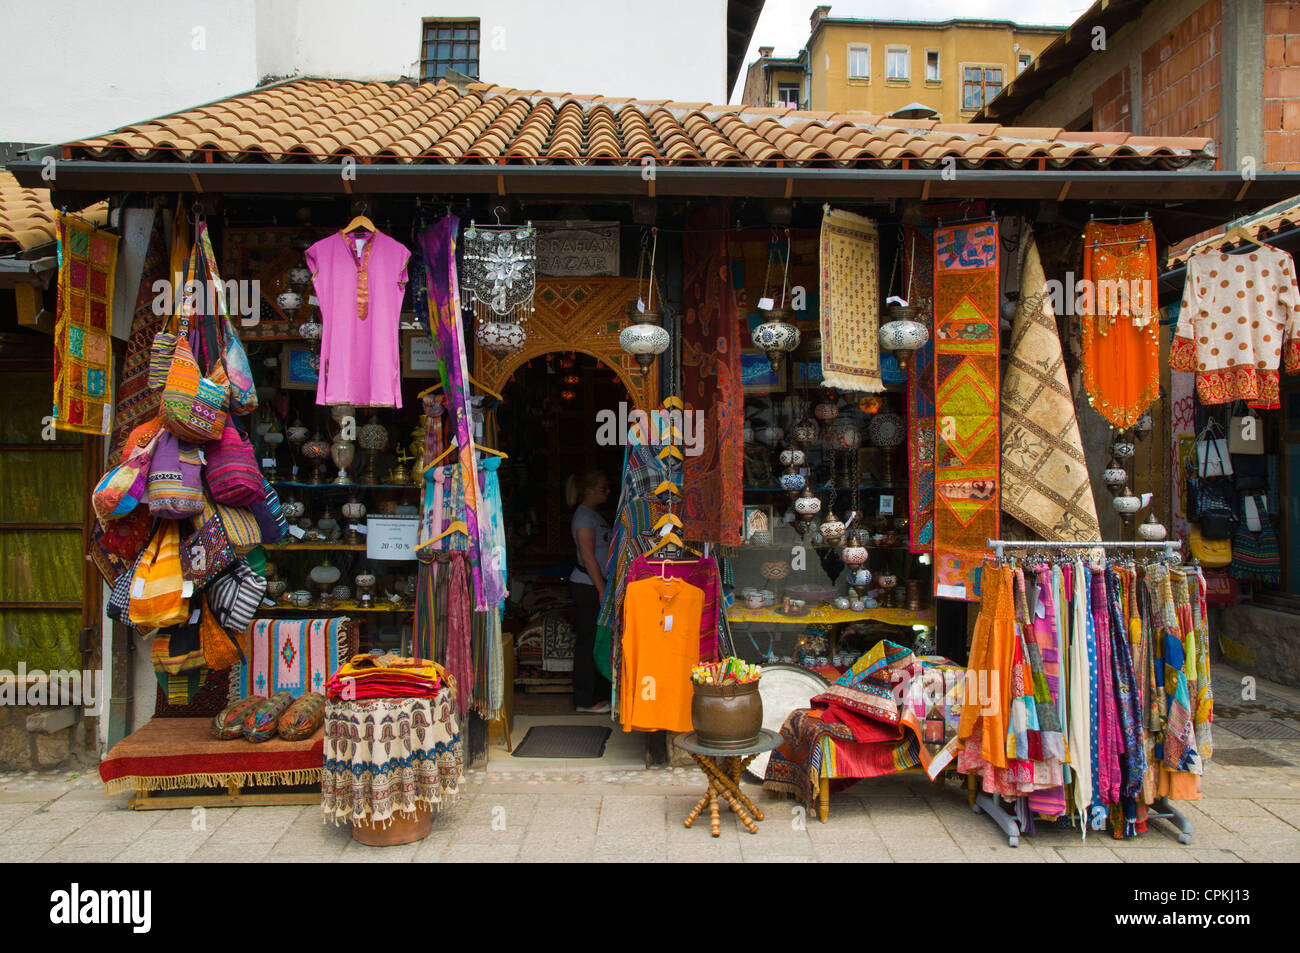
x=156 y=599
x=235 y=597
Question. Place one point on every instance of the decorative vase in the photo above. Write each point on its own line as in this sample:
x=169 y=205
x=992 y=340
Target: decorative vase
x=354 y=512
x=727 y=716
x=342 y=452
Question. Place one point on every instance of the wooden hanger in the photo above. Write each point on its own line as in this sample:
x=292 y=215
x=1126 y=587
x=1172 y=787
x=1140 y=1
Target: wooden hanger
x=671 y=401
x=470 y=377
x=457 y=526
x=668 y=486
x=360 y=222
x=672 y=539
x=672 y=518
x=1240 y=234
x=495 y=453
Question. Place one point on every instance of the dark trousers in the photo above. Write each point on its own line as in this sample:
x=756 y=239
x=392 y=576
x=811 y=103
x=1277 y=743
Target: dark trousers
x=589 y=686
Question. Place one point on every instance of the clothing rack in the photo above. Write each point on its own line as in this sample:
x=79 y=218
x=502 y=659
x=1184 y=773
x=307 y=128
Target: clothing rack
x=1161 y=808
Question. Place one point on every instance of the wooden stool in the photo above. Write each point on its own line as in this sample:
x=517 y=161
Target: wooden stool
x=722 y=768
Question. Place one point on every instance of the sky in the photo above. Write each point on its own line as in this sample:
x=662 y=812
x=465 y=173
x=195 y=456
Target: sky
x=784 y=23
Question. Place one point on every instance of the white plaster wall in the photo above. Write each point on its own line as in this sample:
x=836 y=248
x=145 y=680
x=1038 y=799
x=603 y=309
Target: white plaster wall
x=87 y=67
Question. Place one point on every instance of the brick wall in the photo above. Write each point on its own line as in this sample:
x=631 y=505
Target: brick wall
x=1112 y=105
x=1281 y=85
x=1181 y=92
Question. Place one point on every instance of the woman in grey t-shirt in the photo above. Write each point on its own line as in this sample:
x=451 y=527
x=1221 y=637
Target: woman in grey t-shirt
x=591 y=533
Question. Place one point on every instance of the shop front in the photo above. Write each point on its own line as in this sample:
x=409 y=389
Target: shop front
x=880 y=407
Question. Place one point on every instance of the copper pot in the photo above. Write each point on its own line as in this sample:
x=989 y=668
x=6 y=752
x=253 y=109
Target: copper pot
x=727 y=716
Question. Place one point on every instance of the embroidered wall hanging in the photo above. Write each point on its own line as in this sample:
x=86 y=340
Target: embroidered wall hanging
x=294 y=656
x=1121 y=336
x=967 y=445
x=1045 y=481
x=83 y=349
x=918 y=271
x=850 y=302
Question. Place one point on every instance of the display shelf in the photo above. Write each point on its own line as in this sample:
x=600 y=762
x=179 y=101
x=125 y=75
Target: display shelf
x=346 y=486
x=310 y=547
x=829 y=615
x=750 y=547
x=339 y=607
x=816 y=489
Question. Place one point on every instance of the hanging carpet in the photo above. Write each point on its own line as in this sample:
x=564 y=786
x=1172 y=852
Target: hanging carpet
x=918 y=271
x=850 y=306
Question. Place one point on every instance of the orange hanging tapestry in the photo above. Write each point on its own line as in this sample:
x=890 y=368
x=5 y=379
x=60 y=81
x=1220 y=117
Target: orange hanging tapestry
x=967 y=444
x=1121 y=336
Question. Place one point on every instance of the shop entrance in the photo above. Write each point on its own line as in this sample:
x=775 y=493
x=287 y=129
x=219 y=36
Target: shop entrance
x=550 y=425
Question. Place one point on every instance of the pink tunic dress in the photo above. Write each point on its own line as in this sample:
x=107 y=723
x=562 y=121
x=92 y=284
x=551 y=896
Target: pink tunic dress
x=360 y=281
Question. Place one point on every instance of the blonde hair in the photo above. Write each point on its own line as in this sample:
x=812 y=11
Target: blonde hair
x=576 y=487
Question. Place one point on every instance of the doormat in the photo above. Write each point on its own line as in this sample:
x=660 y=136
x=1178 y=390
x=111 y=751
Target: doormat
x=1260 y=730
x=1249 y=758
x=564 y=741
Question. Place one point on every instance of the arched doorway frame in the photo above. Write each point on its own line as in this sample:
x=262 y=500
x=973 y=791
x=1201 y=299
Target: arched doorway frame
x=582 y=315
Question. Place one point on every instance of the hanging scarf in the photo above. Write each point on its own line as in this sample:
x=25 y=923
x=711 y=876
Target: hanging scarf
x=1082 y=677
x=1202 y=691
x=1132 y=761
x=1044 y=662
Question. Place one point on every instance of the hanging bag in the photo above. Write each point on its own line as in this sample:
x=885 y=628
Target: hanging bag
x=1215 y=553
x=193 y=404
x=241 y=391
x=159 y=596
x=175 y=485
x=1212 y=458
x=1255 y=553
x=125 y=486
x=119 y=597
x=221 y=648
x=207 y=553
x=232 y=472
x=269 y=514
x=235 y=597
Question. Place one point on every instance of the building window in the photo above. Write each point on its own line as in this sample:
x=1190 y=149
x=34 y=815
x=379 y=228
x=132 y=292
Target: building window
x=787 y=94
x=449 y=44
x=896 y=63
x=932 y=66
x=1022 y=62
x=859 y=62
x=979 y=85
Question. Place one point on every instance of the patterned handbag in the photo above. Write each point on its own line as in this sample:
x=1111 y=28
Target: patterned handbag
x=119 y=597
x=232 y=472
x=157 y=589
x=126 y=537
x=175 y=485
x=193 y=405
x=1255 y=553
x=241 y=526
x=235 y=597
x=240 y=387
x=125 y=486
x=207 y=553
x=269 y=514
x=221 y=648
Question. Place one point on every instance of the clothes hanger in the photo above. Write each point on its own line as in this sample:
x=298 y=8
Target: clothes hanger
x=470 y=377
x=457 y=526
x=667 y=518
x=360 y=222
x=1240 y=234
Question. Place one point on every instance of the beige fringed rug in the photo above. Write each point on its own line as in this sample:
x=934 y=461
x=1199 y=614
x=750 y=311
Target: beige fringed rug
x=1045 y=482
x=850 y=302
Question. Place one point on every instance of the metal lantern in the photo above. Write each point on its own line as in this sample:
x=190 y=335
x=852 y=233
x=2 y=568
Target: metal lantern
x=354 y=511
x=827 y=410
x=792 y=458
x=1143 y=425
x=289 y=302
x=903 y=334
x=374 y=438
x=1152 y=530
x=1126 y=504
x=804 y=432
x=500 y=338
x=299 y=276
x=792 y=481
x=316 y=451
x=887 y=431
x=807 y=505
x=644 y=342
x=311 y=329
x=776 y=337
x=1124 y=449
x=843 y=434
x=1114 y=476
x=832 y=529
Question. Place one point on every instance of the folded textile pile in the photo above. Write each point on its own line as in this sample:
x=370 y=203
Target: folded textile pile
x=389 y=676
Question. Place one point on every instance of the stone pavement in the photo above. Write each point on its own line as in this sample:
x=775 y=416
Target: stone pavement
x=1251 y=812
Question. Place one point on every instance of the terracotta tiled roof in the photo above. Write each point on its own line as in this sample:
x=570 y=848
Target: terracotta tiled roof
x=26 y=216
x=306 y=120
x=1272 y=221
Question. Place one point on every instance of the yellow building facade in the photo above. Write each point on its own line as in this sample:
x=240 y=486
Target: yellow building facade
x=881 y=66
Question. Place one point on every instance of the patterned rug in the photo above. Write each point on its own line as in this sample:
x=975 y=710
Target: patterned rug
x=967 y=445
x=136 y=403
x=918 y=269
x=83 y=349
x=711 y=382
x=1045 y=480
x=290 y=655
x=850 y=302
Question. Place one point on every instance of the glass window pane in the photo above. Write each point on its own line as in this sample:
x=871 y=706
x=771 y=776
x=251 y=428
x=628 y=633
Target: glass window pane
x=40 y=566
x=42 y=639
x=993 y=75
x=458 y=51
x=444 y=51
x=40 y=487
x=459 y=33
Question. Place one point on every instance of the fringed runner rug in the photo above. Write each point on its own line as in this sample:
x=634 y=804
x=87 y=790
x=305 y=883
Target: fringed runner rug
x=1045 y=481
x=967 y=445
x=918 y=273
x=850 y=306
x=711 y=382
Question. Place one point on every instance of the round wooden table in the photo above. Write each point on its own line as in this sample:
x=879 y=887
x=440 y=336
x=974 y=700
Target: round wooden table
x=722 y=767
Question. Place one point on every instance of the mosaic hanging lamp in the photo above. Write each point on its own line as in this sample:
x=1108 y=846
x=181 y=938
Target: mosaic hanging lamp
x=499 y=280
x=1114 y=476
x=776 y=336
x=903 y=333
x=887 y=431
x=1152 y=530
x=645 y=339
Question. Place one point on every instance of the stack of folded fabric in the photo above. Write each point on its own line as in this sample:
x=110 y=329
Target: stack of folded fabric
x=389 y=676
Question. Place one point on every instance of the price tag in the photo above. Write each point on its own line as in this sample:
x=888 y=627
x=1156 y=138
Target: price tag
x=268 y=461
x=194 y=616
x=312 y=301
x=187 y=590
x=361 y=528
x=886 y=506
x=138 y=589
x=297 y=532
x=391 y=537
x=668 y=623
x=765 y=304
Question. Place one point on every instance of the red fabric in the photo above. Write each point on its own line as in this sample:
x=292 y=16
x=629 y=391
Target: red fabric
x=711 y=384
x=170 y=747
